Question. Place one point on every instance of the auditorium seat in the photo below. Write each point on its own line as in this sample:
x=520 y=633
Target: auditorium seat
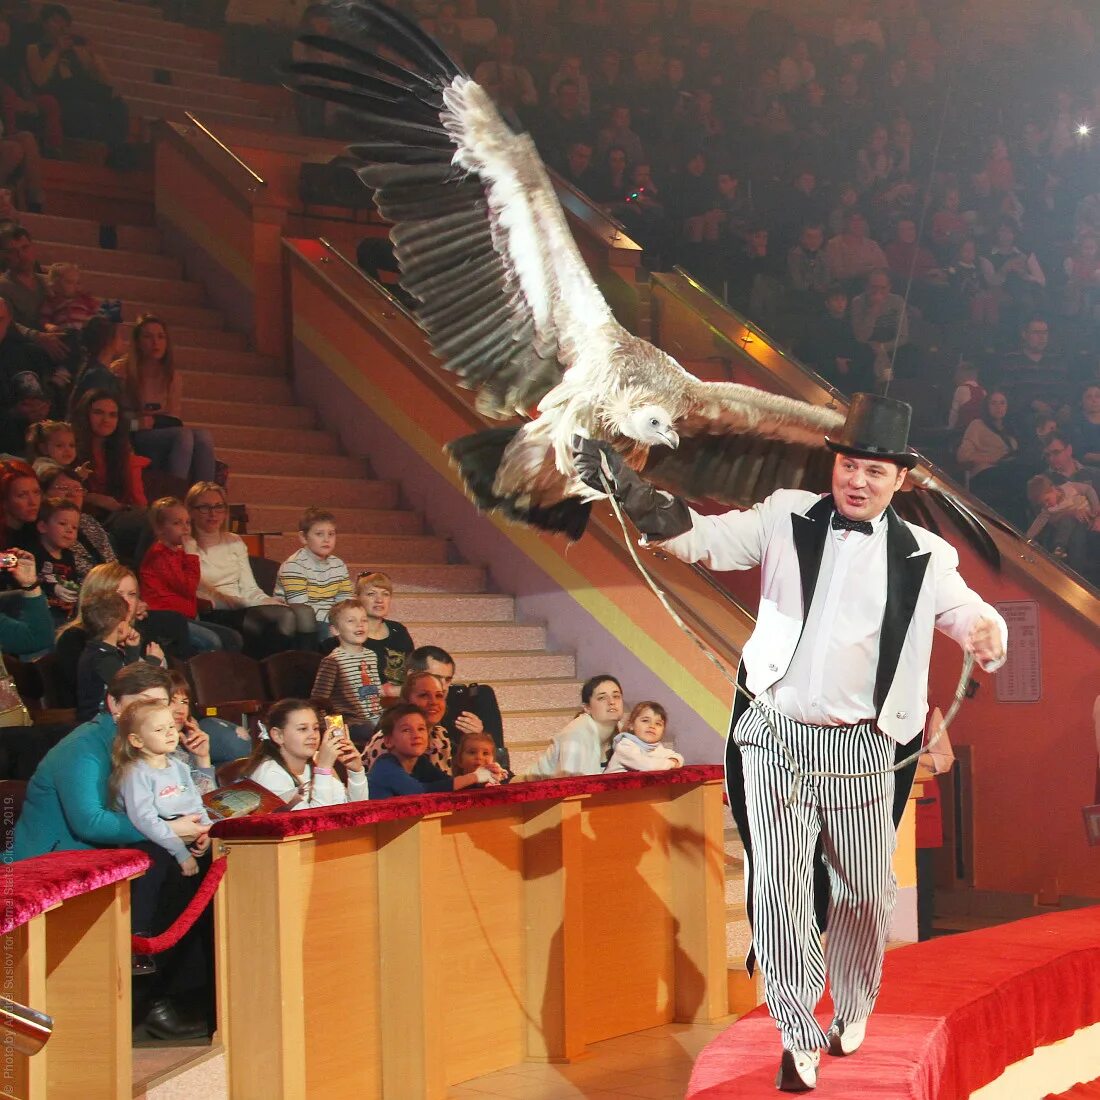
x=290 y=675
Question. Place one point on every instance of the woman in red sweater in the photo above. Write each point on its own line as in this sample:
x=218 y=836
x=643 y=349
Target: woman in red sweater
x=170 y=577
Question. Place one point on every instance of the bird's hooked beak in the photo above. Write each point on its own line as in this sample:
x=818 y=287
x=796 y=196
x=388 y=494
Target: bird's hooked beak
x=671 y=438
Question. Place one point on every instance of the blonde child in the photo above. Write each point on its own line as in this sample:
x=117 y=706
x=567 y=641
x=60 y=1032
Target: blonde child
x=52 y=443
x=67 y=307
x=478 y=750
x=314 y=574
x=170 y=577
x=404 y=767
x=153 y=788
x=347 y=678
x=296 y=760
x=638 y=748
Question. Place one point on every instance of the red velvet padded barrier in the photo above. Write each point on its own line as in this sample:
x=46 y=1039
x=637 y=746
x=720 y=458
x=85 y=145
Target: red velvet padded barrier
x=953 y=1014
x=300 y=822
x=32 y=886
x=1090 y=1090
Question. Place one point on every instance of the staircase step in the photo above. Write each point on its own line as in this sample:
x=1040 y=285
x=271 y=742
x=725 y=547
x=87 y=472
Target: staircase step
x=143 y=20
x=538 y=694
x=198 y=410
x=249 y=117
x=491 y=668
x=225 y=361
x=197 y=339
x=474 y=638
x=277 y=520
x=482 y=608
x=140 y=288
x=192 y=317
x=238 y=387
x=331 y=492
x=257 y=438
x=115 y=261
x=167 y=44
x=156 y=58
x=417 y=577
x=535 y=728
x=184 y=78
x=192 y=99
x=315 y=465
x=356 y=547
x=84 y=232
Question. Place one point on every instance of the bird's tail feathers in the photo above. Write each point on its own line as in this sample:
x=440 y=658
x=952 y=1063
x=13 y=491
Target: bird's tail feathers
x=478 y=458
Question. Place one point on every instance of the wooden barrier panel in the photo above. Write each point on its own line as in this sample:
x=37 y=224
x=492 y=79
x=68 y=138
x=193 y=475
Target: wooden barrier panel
x=397 y=948
x=66 y=945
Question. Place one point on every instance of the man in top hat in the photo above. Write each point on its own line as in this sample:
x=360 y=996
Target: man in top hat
x=838 y=664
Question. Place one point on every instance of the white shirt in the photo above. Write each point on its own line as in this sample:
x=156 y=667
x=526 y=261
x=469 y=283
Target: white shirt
x=831 y=678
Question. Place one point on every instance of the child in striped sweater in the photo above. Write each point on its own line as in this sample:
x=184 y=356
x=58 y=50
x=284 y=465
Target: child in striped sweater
x=348 y=677
x=315 y=575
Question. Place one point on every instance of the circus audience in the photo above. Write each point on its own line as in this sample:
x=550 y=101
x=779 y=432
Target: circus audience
x=26 y=627
x=314 y=576
x=347 y=679
x=639 y=747
x=427 y=692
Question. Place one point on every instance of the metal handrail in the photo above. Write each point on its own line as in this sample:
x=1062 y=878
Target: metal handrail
x=257 y=180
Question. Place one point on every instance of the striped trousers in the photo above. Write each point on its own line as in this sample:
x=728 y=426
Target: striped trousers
x=853 y=818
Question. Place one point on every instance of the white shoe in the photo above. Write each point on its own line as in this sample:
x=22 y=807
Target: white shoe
x=846 y=1038
x=798 y=1070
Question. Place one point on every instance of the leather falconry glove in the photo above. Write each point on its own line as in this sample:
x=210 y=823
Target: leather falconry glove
x=657 y=514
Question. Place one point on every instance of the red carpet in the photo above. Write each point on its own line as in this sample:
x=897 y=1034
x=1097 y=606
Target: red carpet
x=953 y=1014
x=1090 y=1090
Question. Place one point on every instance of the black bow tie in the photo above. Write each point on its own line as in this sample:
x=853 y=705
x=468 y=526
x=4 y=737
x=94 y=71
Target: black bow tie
x=843 y=523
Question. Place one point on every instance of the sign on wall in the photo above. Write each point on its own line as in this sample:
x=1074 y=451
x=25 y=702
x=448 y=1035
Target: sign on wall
x=1020 y=678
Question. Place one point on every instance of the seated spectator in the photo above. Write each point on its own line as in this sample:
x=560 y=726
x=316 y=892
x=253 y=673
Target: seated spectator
x=153 y=399
x=478 y=750
x=111 y=644
x=67 y=308
x=1084 y=429
x=577 y=168
x=858 y=27
x=23 y=394
x=24 y=288
x=223 y=740
x=50 y=443
x=92 y=547
x=21 y=169
x=831 y=348
x=880 y=321
x=582 y=747
x=967 y=301
x=297 y=762
x=906 y=257
x=101 y=344
x=1013 y=274
x=170 y=577
x=153 y=788
x=617 y=134
x=806 y=267
x=403 y=768
x=347 y=679
x=611 y=184
x=639 y=748
x=949 y=225
x=1062 y=465
x=66 y=66
x=226 y=582
x=166 y=629
x=798 y=206
x=427 y=692
x=571 y=68
x=753 y=277
x=851 y=255
x=874 y=164
x=998 y=165
x=968 y=400
x=989 y=453
x=40 y=113
x=29 y=631
x=68 y=808
x=58 y=525
x=1081 y=293
x=510 y=85
x=1031 y=372
x=470 y=708
x=387 y=639
x=796 y=68
x=20 y=499
x=314 y=576
x=846 y=199
x=1064 y=515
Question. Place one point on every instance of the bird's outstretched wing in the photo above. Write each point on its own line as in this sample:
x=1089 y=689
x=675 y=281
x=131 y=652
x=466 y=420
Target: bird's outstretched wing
x=479 y=234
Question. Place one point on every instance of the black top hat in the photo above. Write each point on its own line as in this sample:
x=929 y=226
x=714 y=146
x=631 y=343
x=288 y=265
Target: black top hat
x=876 y=427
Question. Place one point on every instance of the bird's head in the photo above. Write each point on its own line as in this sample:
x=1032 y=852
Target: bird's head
x=652 y=426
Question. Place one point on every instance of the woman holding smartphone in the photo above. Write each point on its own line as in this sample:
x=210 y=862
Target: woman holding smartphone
x=153 y=396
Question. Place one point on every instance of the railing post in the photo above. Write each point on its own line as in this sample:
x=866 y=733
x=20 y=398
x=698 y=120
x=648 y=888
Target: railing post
x=553 y=898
